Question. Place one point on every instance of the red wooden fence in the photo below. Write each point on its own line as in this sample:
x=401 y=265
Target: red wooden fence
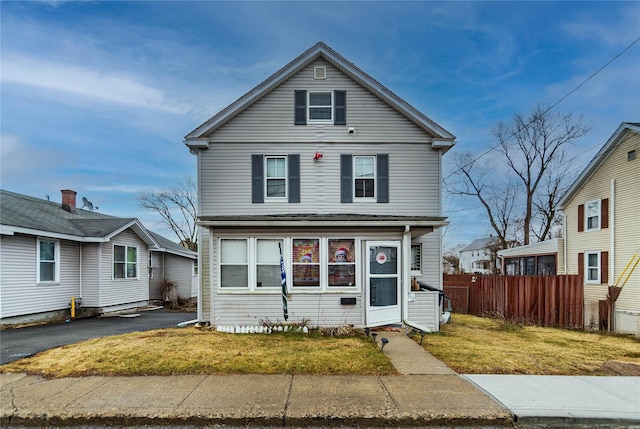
x=543 y=300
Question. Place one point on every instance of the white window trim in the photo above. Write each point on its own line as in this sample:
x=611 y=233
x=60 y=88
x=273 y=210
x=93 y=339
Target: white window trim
x=126 y=252
x=267 y=178
x=331 y=107
x=56 y=261
x=375 y=178
x=287 y=252
x=586 y=215
x=586 y=266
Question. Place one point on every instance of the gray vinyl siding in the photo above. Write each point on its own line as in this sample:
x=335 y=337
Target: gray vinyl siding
x=316 y=309
x=179 y=269
x=414 y=185
x=155 y=282
x=425 y=310
x=123 y=291
x=271 y=119
x=320 y=308
x=21 y=294
x=90 y=274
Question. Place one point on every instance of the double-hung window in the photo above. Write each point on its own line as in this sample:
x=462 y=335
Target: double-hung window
x=234 y=263
x=125 y=262
x=592 y=215
x=364 y=169
x=592 y=267
x=341 y=268
x=268 y=263
x=48 y=267
x=276 y=177
x=321 y=106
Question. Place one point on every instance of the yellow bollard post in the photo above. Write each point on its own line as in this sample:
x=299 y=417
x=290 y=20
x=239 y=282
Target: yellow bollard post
x=73 y=307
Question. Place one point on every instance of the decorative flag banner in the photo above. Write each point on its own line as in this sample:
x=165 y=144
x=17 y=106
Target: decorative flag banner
x=283 y=275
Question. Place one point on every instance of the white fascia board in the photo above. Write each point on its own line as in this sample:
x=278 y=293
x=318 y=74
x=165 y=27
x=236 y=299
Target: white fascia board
x=12 y=230
x=140 y=231
x=175 y=252
x=322 y=223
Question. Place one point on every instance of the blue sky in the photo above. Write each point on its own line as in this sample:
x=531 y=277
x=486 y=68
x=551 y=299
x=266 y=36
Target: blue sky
x=97 y=96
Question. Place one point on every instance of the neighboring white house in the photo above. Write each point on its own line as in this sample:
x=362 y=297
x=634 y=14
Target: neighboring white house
x=53 y=252
x=602 y=230
x=323 y=162
x=477 y=258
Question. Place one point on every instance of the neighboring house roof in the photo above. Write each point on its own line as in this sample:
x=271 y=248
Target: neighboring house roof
x=597 y=161
x=28 y=215
x=542 y=247
x=441 y=137
x=169 y=246
x=479 y=244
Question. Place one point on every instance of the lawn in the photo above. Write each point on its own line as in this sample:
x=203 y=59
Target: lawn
x=474 y=345
x=468 y=345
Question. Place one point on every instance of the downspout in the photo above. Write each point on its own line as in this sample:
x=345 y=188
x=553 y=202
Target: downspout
x=406 y=283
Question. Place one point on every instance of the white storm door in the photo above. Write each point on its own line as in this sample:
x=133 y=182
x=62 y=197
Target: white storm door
x=383 y=270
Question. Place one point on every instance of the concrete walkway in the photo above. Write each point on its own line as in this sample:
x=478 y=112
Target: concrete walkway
x=427 y=393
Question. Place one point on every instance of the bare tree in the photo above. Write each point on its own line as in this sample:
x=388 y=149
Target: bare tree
x=178 y=208
x=522 y=197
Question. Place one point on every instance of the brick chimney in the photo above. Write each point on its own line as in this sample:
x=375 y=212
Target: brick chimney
x=69 y=200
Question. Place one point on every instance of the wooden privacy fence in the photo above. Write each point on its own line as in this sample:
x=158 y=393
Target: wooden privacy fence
x=543 y=300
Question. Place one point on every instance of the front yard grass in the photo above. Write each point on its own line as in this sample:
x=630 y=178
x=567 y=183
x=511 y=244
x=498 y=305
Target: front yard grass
x=468 y=345
x=475 y=345
x=202 y=351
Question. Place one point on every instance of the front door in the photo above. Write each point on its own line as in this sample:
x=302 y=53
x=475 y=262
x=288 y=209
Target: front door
x=383 y=283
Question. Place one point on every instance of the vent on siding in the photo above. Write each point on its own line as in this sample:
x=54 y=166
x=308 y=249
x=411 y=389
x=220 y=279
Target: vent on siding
x=319 y=72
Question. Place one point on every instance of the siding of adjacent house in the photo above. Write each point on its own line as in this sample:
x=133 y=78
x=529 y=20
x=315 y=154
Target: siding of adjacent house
x=179 y=270
x=122 y=291
x=155 y=282
x=90 y=292
x=21 y=293
x=626 y=206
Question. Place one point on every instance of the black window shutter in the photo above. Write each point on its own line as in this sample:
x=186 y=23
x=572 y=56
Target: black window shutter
x=340 y=108
x=346 y=179
x=257 y=178
x=294 y=177
x=300 y=107
x=383 y=177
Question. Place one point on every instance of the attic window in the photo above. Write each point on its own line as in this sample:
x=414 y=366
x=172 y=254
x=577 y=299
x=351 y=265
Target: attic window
x=319 y=72
x=631 y=155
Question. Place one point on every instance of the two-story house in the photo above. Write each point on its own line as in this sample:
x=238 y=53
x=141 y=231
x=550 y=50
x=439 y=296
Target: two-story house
x=602 y=231
x=478 y=257
x=323 y=165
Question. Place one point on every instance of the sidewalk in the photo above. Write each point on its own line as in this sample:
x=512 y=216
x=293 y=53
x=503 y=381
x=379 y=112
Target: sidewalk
x=427 y=393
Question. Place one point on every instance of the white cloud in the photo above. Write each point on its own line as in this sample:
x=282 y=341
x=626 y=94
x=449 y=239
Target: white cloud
x=107 y=86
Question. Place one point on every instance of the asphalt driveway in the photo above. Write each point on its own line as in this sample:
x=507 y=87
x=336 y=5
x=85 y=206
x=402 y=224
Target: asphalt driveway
x=17 y=343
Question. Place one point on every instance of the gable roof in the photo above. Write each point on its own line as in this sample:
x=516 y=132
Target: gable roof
x=169 y=246
x=28 y=215
x=599 y=159
x=442 y=138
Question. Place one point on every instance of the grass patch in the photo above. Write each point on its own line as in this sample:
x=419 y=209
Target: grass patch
x=202 y=351
x=475 y=345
